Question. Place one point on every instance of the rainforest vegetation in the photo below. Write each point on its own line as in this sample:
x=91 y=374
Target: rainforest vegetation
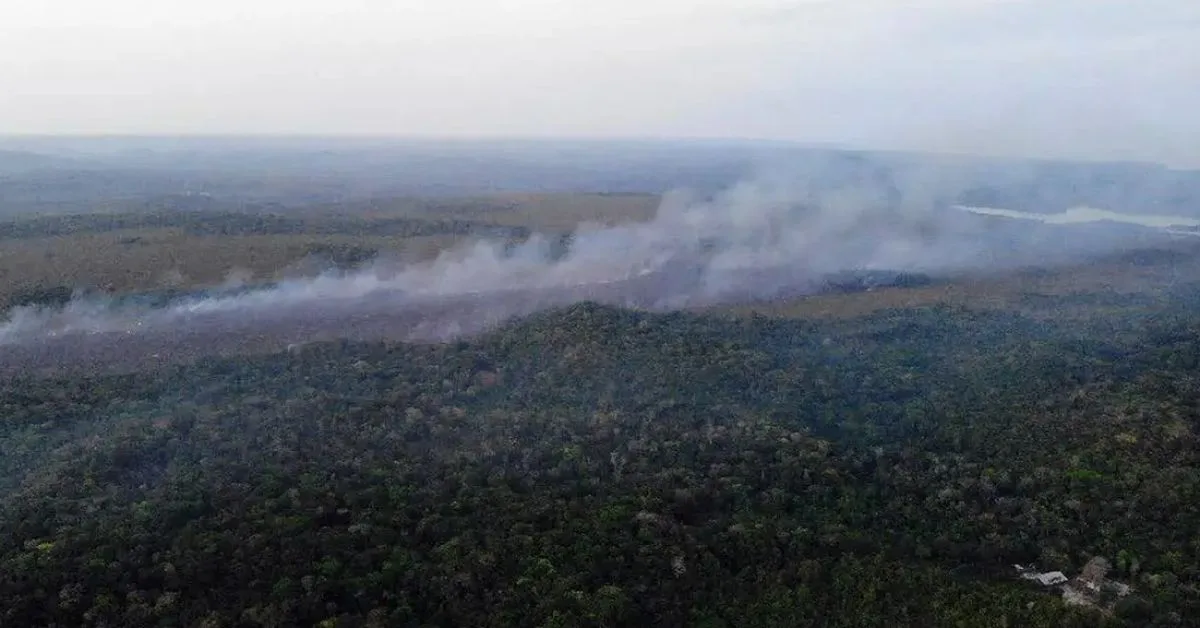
x=878 y=456
x=594 y=466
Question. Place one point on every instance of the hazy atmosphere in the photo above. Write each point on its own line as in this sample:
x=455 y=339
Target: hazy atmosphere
x=375 y=313
x=1093 y=79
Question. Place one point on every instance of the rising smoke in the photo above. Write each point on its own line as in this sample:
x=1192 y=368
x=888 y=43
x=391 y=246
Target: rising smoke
x=776 y=235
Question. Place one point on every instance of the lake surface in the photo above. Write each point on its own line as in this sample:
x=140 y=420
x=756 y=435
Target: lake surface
x=1078 y=215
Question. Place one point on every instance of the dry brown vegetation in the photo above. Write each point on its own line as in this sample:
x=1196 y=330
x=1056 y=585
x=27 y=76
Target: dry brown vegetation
x=1028 y=292
x=147 y=258
x=563 y=212
x=550 y=211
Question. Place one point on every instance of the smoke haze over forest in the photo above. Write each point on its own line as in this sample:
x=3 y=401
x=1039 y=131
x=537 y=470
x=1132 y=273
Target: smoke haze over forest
x=782 y=232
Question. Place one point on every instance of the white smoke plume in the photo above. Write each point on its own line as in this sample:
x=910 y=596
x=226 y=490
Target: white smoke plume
x=778 y=234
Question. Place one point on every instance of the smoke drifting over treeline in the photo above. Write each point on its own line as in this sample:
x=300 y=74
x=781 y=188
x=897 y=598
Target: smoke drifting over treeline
x=779 y=234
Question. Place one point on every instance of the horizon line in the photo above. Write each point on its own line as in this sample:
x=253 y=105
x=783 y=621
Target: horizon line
x=366 y=137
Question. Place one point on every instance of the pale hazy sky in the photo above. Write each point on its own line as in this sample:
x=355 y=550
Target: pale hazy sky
x=1087 y=78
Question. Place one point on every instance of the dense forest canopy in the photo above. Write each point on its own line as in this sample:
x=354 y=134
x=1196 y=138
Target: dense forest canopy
x=600 y=466
x=883 y=454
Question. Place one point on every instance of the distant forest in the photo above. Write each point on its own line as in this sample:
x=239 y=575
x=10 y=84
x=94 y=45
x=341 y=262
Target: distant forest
x=75 y=175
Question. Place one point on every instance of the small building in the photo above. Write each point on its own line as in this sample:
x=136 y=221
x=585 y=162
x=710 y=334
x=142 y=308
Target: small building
x=1093 y=588
x=1048 y=579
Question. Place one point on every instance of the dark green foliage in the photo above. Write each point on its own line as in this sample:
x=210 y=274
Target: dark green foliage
x=596 y=466
x=40 y=296
x=228 y=222
x=858 y=281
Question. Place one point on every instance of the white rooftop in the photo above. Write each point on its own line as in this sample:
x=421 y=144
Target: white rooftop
x=1048 y=579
